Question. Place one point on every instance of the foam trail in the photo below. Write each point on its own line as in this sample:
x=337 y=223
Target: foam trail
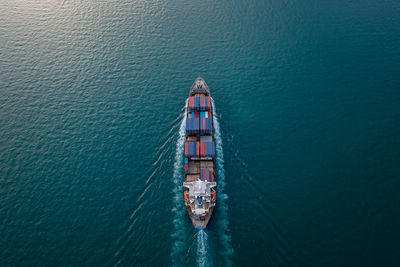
x=178 y=210
x=223 y=222
x=202 y=249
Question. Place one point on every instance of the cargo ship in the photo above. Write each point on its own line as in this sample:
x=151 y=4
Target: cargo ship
x=199 y=184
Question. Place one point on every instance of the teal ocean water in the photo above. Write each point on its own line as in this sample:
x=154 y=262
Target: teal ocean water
x=307 y=95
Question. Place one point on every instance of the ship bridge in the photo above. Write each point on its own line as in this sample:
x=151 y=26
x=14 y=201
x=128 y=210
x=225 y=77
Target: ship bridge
x=200 y=196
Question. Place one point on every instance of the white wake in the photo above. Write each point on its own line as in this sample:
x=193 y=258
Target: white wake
x=223 y=221
x=203 y=259
x=178 y=210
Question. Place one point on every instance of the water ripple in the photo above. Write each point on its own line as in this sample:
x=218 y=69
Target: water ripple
x=178 y=210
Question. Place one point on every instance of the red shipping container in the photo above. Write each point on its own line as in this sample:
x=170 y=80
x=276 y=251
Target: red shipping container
x=186 y=149
x=191 y=102
x=197 y=149
x=203 y=149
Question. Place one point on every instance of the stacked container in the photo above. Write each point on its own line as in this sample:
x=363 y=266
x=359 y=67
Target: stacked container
x=204 y=114
x=205 y=126
x=206 y=175
x=210 y=151
x=199 y=103
x=192 y=149
x=191 y=103
x=207 y=149
x=192 y=126
x=205 y=102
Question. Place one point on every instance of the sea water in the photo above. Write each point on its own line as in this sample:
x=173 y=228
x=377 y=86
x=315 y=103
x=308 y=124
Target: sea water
x=92 y=95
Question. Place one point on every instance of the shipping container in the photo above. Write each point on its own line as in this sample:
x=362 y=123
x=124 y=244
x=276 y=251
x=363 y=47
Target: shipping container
x=192 y=126
x=206 y=175
x=205 y=103
x=191 y=103
x=199 y=103
x=207 y=149
x=196 y=103
x=210 y=150
x=205 y=126
x=206 y=138
x=192 y=149
x=202 y=149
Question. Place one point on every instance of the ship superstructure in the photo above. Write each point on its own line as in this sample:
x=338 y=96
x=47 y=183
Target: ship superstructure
x=199 y=184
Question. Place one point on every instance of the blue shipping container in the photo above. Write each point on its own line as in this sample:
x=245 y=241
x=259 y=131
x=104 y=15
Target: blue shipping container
x=210 y=151
x=192 y=125
x=205 y=126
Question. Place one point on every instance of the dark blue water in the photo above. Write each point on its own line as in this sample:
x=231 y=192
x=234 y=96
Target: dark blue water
x=308 y=102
